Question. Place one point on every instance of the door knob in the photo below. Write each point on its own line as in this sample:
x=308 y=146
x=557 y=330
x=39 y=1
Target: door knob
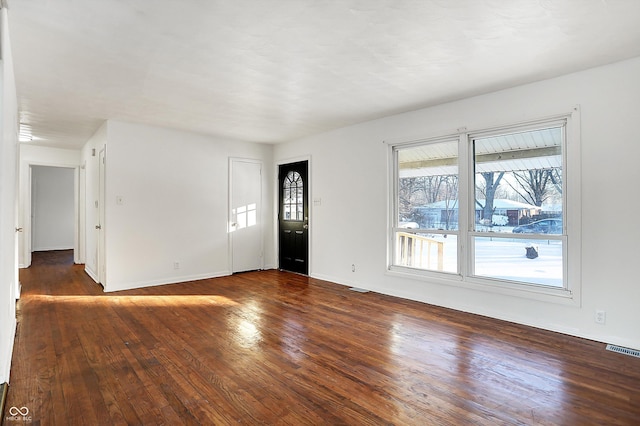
x=19 y=229
x=305 y=226
x=98 y=227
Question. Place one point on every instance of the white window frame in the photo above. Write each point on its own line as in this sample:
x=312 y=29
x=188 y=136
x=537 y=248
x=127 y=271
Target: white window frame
x=571 y=292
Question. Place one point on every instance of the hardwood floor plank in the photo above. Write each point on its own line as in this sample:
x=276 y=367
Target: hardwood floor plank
x=271 y=347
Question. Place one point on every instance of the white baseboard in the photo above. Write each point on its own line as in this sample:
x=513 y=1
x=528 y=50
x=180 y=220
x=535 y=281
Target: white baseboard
x=52 y=248
x=163 y=281
x=92 y=274
x=348 y=283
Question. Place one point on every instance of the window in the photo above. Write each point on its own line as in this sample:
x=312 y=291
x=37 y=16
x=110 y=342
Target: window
x=518 y=202
x=293 y=196
x=485 y=208
x=426 y=232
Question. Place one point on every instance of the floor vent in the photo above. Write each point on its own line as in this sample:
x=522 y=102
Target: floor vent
x=359 y=290
x=624 y=351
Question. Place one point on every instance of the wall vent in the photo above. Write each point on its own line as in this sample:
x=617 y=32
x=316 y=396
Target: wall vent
x=624 y=351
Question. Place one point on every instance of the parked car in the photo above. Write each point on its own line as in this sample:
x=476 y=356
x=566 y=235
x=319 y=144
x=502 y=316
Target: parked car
x=544 y=226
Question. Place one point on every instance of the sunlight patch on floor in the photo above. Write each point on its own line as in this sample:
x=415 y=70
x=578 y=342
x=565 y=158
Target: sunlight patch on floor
x=151 y=300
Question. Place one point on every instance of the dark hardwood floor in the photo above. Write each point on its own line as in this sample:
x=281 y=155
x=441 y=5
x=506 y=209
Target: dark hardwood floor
x=277 y=348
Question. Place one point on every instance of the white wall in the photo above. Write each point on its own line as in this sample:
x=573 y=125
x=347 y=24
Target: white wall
x=52 y=208
x=31 y=155
x=8 y=199
x=609 y=97
x=174 y=191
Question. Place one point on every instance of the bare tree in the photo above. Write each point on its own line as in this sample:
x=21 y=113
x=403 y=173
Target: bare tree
x=450 y=195
x=491 y=183
x=535 y=186
x=418 y=191
x=432 y=187
x=556 y=179
x=407 y=189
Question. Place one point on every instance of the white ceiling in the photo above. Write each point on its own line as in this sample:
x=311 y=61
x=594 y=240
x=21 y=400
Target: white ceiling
x=276 y=70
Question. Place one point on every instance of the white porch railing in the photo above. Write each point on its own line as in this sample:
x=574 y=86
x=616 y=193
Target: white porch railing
x=417 y=251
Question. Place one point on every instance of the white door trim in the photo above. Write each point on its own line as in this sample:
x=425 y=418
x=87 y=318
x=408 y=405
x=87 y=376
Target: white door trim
x=26 y=213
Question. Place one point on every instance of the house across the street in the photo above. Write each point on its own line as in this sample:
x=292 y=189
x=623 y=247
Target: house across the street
x=444 y=214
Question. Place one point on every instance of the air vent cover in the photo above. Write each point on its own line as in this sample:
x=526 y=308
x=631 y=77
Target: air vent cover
x=624 y=351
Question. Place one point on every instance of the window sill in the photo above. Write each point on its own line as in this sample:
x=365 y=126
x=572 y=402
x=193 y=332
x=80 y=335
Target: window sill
x=526 y=291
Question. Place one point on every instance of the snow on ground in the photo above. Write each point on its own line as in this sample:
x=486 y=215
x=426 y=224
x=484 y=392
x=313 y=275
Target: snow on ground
x=506 y=259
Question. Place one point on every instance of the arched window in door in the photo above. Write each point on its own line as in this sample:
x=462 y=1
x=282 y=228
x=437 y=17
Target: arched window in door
x=293 y=187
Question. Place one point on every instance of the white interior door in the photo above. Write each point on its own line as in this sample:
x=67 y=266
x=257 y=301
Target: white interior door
x=100 y=228
x=245 y=227
x=82 y=214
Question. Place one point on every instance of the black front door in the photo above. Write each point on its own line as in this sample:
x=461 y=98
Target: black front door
x=293 y=216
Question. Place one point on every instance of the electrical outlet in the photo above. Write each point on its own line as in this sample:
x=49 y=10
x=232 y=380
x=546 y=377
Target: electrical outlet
x=601 y=317
x=176 y=265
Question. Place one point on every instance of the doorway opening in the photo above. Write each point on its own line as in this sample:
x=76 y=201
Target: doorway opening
x=52 y=209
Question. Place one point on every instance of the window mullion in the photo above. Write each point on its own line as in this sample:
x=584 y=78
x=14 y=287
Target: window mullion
x=393 y=219
x=464 y=194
